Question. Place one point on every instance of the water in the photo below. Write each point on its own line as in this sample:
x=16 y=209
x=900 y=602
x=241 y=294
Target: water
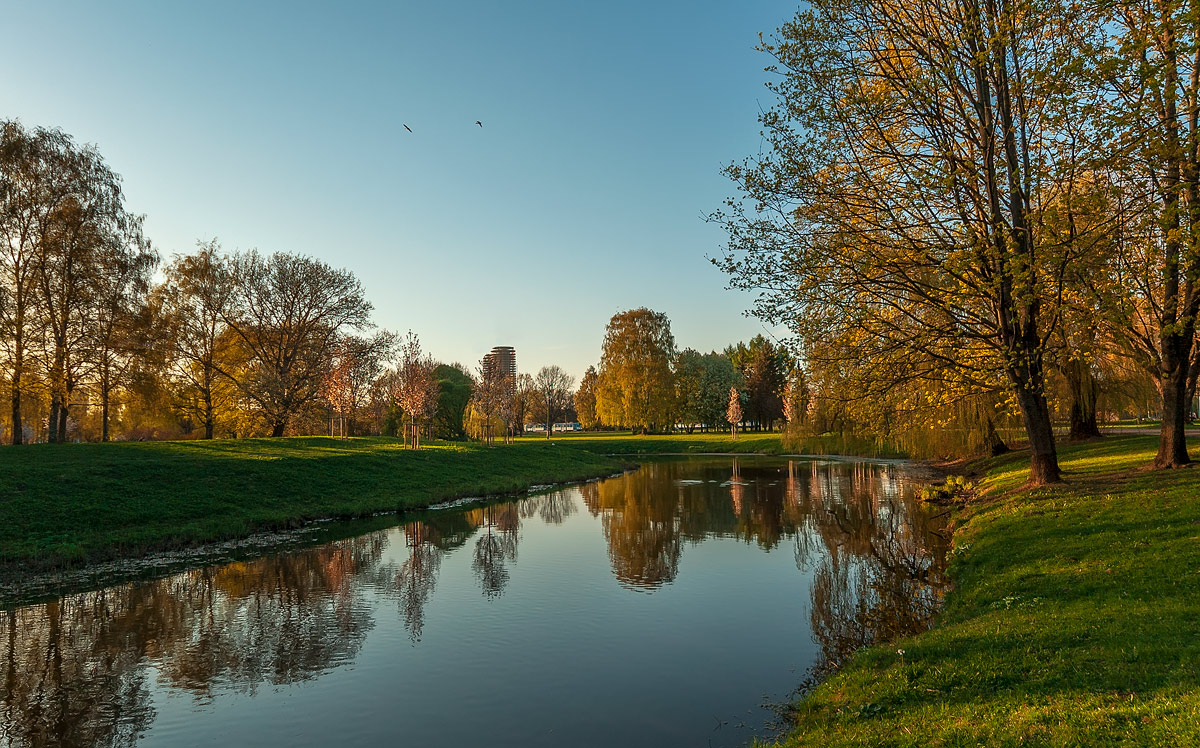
x=670 y=606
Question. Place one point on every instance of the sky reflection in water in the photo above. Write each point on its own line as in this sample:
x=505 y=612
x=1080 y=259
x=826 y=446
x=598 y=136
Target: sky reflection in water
x=663 y=607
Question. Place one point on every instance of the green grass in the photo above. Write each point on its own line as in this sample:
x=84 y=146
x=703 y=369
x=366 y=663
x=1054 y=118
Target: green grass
x=64 y=504
x=625 y=443
x=1075 y=620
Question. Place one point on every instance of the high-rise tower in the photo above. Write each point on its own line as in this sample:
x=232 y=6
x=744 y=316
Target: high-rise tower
x=502 y=361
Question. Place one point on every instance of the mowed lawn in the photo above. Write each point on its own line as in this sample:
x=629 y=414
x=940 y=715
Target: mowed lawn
x=77 y=502
x=1075 y=620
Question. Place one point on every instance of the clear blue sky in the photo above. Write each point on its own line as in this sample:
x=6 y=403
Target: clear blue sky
x=280 y=126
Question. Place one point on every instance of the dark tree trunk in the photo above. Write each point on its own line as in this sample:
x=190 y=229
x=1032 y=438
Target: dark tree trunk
x=1172 y=442
x=1084 y=394
x=1193 y=375
x=62 y=423
x=52 y=422
x=278 y=427
x=104 y=416
x=18 y=434
x=1043 y=457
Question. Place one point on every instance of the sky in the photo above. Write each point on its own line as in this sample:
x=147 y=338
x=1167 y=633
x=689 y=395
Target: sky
x=280 y=126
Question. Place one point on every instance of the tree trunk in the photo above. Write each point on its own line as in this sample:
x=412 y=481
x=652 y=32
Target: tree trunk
x=1172 y=441
x=62 y=422
x=278 y=427
x=52 y=422
x=1193 y=375
x=104 y=415
x=1043 y=458
x=991 y=439
x=18 y=434
x=1084 y=394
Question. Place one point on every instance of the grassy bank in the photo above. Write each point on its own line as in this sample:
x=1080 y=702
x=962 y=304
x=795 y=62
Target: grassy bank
x=78 y=502
x=1075 y=619
x=625 y=443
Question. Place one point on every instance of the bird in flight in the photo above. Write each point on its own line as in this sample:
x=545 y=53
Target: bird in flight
x=406 y=127
x=479 y=123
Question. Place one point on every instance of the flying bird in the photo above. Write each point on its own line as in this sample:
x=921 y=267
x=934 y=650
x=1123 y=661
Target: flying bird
x=479 y=123
x=406 y=127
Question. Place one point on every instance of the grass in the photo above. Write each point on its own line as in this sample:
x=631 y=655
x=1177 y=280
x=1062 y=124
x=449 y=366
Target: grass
x=66 y=504
x=750 y=442
x=1075 y=620
x=628 y=444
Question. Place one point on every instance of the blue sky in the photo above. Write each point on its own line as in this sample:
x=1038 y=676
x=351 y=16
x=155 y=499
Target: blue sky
x=280 y=126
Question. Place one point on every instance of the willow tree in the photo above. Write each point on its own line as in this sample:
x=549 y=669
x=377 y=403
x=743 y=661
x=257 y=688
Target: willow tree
x=910 y=151
x=635 y=387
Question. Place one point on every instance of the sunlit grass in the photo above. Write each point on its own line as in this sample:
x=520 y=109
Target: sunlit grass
x=1075 y=619
x=68 y=503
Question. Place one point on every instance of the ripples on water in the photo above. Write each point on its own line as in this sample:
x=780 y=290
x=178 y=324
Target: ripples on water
x=662 y=607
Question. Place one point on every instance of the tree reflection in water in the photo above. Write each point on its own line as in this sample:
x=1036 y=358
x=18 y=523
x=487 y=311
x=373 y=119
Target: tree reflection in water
x=75 y=670
x=80 y=670
x=876 y=557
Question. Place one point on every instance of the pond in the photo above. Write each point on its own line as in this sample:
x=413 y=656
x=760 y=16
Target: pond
x=673 y=605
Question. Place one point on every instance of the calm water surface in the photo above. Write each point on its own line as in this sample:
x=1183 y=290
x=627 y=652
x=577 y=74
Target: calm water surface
x=670 y=606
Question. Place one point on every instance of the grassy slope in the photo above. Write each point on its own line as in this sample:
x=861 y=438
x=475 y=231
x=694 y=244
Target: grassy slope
x=1076 y=620
x=67 y=503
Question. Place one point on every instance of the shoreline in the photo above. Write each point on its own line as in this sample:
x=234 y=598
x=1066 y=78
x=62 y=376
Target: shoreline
x=1070 y=621
x=46 y=584
x=133 y=500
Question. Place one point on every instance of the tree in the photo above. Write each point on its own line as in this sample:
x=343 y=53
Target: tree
x=897 y=206
x=194 y=301
x=517 y=398
x=416 y=390
x=36 y=183
x=702 y=383
x=492 y=389
x=635 y=386
x=454 y=393
x=1149 y=74
x=553 y=386
x=734 y=412
x=765 y=379
x=358 y=362
x=288 y=311
x=120 y=331
x=585 y=399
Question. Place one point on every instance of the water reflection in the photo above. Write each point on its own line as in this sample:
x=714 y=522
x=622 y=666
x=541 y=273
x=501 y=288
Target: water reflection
x=83 y=670
x=76 y=669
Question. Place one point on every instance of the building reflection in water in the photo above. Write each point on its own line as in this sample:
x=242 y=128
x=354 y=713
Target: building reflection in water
x=79 y=670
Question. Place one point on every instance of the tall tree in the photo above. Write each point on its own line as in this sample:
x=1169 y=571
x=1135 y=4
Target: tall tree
x=35 y=184
x=702 y=383
x=120 y=329
x=1151 y=74
x=194 y=302
x=553 y=386
x=585 y=399
x=898 y=200
x=636 y=387
x=288 y=311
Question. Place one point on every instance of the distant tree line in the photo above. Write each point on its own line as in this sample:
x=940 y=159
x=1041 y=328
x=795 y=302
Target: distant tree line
x=643 y=383
x=101 y=339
